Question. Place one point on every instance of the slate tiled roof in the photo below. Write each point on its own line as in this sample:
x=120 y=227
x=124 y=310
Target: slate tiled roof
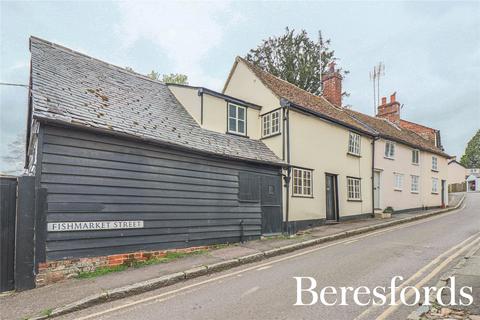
x=360 y=121
x=305 y=99
x=73 y=88
x=388 y=130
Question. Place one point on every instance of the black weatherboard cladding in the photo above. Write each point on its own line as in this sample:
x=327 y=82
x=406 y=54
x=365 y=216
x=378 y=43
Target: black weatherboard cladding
x=185 y=199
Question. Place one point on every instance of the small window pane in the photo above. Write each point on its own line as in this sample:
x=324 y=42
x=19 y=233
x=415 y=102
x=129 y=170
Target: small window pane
x=232 y=125
x=241 y=113
x=241 y=126
x=233 y=111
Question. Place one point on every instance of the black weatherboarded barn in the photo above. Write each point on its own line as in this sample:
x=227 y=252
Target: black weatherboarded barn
x=117 y=151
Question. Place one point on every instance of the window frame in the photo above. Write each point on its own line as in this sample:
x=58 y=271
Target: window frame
x=417 y=152
x=434 y=167
x=352 y=184
x=412 y=184
x=390 y=147
x=435 y=184
x=398 y=177
x=304 y=175
x=354 y=144
x=237 y=120
x=273 y=127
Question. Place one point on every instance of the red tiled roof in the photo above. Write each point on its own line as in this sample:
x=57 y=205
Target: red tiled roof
x=305 y=99
x=348 y=117
x=426 y=132
x=390 y=131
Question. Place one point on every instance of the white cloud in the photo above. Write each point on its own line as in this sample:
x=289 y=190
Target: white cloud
x=185 y=31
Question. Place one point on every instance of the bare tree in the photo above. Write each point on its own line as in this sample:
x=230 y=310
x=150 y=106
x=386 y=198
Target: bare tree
x=15 y=156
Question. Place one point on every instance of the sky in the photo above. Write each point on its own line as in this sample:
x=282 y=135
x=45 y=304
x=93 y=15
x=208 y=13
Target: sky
x=431 y=50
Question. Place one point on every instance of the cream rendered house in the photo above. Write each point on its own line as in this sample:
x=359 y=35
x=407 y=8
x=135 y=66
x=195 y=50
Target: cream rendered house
x=329 y=153
x=411 y=169
x=339 y=164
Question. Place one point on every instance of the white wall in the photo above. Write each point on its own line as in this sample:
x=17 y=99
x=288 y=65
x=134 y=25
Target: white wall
x=402 y=164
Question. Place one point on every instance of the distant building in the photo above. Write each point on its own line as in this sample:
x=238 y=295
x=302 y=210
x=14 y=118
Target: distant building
x=456 y=172
x=473 y=182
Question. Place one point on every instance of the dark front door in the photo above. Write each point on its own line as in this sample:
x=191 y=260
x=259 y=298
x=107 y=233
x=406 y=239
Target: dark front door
x=443 y=193
x=8 y=200
x=271 y=202
x=331 y=197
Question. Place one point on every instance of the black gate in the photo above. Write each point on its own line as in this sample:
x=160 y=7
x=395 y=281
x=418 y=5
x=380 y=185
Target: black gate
x=8 y=200
x=271 y=202
x=22 y=208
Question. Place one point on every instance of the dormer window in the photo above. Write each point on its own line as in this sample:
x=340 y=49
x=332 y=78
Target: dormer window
x=415 y=156
x=237 y=119
x=271 y=123
x=354 y=144
x=389 y=150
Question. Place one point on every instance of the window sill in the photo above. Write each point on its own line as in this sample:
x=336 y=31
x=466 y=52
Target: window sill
x=300 y=196
x=354 y=155
x=435 y=193
x=399 y=190
x=414 y=192
x=354 y=200
x=434 y=170
x=415 y=164
x=270 y=136
x=237 y=134
x=388 y=158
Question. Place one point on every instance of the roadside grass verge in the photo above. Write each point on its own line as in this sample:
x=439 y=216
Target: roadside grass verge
x=168 y=257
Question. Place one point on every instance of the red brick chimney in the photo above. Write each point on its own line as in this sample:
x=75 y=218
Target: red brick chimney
x=391 y=110
x=332 y=85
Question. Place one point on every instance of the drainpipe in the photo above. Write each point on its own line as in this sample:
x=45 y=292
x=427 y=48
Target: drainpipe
x=286 y=125
x=373 y=175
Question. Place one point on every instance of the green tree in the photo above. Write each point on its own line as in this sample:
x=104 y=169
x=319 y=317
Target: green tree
x=471 y=157
x=294 y=57
x=154 y=75
x=177 y=78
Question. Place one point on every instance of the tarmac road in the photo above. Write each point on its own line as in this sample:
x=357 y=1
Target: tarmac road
x=420 y=252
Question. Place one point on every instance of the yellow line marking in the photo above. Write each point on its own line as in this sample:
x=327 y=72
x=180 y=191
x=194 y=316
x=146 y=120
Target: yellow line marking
x=432 y=274
x=421 y=271
x=284 y=258
x=264 y=268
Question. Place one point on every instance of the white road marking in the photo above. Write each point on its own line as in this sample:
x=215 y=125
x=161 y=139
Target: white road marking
x=159 y=297
x=250 y=291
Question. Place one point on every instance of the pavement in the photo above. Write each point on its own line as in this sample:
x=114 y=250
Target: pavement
x=335 y=267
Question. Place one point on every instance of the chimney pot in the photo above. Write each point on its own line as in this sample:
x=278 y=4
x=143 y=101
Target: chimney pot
x=331 y=66
x=392 y=97
x=384 y=100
